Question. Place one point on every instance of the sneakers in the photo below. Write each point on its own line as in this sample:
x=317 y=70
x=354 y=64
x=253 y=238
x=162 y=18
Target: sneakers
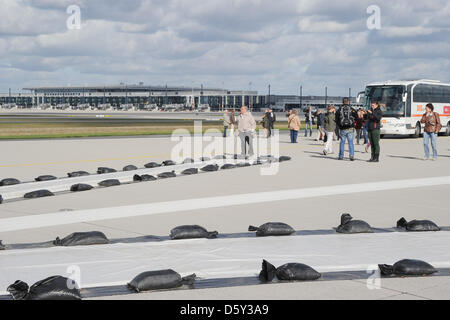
x=426 y=158
x=352 y=158
x=325 y=152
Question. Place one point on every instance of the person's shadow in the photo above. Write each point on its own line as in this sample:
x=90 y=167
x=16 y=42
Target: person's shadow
x=405 y=157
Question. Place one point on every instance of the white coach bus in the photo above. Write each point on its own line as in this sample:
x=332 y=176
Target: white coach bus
x=403 y=104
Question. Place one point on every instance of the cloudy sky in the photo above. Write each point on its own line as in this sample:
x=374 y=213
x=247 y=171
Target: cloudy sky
x=223 y=43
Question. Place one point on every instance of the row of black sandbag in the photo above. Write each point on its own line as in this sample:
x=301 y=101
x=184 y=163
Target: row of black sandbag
x=348 y=225
x=61 y=288
x=104 y=170
x=137 y=178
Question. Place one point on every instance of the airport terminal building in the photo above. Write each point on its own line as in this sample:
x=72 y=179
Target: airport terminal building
x=141 y=96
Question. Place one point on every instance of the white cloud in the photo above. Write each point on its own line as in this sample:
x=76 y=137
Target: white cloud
x=283 y=42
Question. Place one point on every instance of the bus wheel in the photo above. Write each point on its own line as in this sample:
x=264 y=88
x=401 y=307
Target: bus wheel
x=418 y=130
x=447 y=131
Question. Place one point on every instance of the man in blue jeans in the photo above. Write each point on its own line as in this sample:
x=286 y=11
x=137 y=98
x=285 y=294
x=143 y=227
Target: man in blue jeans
x=345 y=121
x=308 y=122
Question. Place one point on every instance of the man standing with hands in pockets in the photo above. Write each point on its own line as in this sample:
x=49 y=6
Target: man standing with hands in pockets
x=374 y=116
x=246 y=126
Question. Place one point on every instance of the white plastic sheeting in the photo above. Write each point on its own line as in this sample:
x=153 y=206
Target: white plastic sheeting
x=222 y=258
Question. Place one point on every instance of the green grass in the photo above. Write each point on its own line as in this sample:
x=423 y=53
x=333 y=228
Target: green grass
x=76 y=129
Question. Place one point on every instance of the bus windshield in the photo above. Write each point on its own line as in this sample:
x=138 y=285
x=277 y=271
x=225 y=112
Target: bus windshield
x=390 y=99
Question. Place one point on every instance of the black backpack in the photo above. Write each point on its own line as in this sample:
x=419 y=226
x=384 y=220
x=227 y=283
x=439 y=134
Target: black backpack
x=346 y=119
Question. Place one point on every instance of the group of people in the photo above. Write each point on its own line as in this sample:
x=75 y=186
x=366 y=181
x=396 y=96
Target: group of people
x=342 y=124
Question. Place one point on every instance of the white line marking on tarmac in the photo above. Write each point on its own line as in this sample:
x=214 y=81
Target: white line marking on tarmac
x=58 y=218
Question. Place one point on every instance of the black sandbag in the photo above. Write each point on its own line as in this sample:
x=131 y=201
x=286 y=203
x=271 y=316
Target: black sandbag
x=82 y=239
x=103 y=170
x=243 y=164
x=191 y=232
x=407 y=267
x=417 y=225
x=166 y=175
x=188 y=160
x=77 y=174
x=52 y=288
x=210 y=168
x=190 y=171
x=284 y=158
x=81 y=187
x=129 y=168
x=268 y=272
x=152 y=165
x=297 y=272
x=348 y=225
x=228 y=166
x=168 y=163
x=288 y=272
x=144 y=177
x=204 y=159
x=109 y=183
x=45 y=178
x=9 y=182
x=38 y=194
x=272 y=229
x=157 y=280
x=2 y=246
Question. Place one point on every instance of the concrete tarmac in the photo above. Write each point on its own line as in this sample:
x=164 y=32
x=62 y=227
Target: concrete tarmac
x=400 y=159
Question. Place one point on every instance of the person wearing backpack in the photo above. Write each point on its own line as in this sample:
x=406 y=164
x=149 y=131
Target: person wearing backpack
x=432 y=128
x=374 y=117
x=345 y=120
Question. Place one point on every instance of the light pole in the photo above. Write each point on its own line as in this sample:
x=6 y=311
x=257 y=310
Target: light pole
x=326 y=96
x=301 y=97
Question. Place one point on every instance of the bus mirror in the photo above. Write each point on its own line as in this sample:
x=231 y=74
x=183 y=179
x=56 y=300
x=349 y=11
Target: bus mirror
x=404 y=97
x=359 y=97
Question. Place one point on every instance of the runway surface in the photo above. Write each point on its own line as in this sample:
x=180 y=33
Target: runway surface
x=401 y=160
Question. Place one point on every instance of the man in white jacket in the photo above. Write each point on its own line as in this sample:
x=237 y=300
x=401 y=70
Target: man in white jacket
x=246 y=126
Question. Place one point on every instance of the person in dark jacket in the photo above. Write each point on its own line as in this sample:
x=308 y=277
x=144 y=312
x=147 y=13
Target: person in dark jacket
x=320 y=133
x=345 y=121
x=374 y=117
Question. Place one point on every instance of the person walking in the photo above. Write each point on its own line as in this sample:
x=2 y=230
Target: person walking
x=294 y=125
x=308 y=122
x=320 y=133
x=246 y=126
x=273 y=119
x=329 y=123
x=232 y=121
x=345 y=120
x=432 y=127
x=226 y=123
x=374 y=117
